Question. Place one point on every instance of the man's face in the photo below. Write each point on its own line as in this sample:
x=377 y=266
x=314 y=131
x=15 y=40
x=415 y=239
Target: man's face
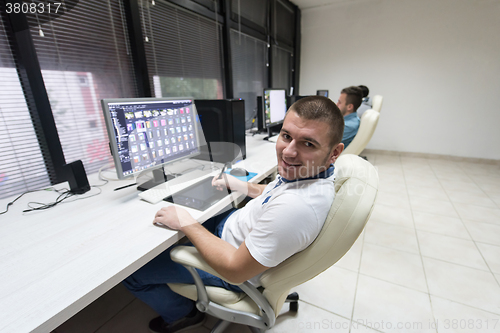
x=342 y=105
x=303 y=147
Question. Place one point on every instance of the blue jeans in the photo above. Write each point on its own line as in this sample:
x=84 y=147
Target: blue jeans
x=149 y=283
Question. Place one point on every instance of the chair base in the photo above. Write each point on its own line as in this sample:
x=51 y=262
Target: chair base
x=293 y=299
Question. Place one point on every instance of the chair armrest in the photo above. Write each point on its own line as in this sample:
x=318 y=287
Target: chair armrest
x=189 y=256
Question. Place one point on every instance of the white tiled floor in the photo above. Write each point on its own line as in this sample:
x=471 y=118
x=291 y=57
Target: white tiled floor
x=428 y=261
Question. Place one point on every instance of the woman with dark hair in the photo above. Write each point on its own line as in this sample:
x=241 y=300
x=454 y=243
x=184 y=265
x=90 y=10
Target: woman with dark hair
x=366 y=104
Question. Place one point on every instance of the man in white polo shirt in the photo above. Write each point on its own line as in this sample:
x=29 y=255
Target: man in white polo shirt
x=284 y=217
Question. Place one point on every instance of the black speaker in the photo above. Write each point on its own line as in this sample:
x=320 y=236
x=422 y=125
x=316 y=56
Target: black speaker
x=77 y=177
x=222 y=120
x=260 y=114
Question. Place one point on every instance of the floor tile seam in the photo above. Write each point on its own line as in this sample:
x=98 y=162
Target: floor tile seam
x=426 y=197
x=485 y=243
x=497 y=279
x=495 y=224
x=483 y=206
x=394 y=283
x=392 y=248
x=116 y=314
x=338 y=315
x=420 y=253
x=322 y=308
x=422 y=211
x=498 y=206
x=446 y=235
x=393 y=224
x=476 y=204
x=467 y=305
x=475 y=244
x=345 y=269
x=461 y=265
x=357 y=281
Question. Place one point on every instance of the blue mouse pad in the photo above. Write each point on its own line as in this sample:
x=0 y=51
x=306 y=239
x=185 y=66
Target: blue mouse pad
x=244 y=178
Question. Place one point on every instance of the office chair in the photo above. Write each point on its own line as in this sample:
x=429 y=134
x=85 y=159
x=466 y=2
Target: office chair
x=367 y=126
x=356 y=187
x=377 y=102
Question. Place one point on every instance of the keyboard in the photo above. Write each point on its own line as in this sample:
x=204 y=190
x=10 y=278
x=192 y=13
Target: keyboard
x=155 y=194
x=160 y=192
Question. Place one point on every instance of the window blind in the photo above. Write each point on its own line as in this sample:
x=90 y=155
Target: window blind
x=249 y=62
x=84 y=57
x=22 y=167
x=284 y=23
x=183 y=51
x=281 y=68
x=252 y=10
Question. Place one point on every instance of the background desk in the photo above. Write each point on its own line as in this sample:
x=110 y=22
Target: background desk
x=55 y=262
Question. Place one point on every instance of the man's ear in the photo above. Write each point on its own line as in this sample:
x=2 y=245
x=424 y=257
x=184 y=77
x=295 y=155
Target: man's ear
x=336 y=152
x=350 y=108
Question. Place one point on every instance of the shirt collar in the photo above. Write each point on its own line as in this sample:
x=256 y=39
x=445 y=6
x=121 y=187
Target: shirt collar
x=351 y=115
x=323 y=174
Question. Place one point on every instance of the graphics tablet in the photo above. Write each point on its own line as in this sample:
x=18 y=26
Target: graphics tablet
x=199 y=196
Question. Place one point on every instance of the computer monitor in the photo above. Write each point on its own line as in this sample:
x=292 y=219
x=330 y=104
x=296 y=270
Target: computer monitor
x=223 y=124
x=274 y=101
x=292 y=99
x=322 y=93
x=147 y=133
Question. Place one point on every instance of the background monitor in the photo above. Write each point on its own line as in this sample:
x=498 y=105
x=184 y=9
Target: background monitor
x=146 y=133
x=292 y=99
x=322 y=93
x=222 y=121
x=274 y=109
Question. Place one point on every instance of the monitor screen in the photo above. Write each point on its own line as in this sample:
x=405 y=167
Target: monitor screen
x=146 y=133
x=274 y=106
x=322 y=93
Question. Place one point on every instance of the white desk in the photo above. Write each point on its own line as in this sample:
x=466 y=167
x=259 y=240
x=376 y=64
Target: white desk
x=55 y=262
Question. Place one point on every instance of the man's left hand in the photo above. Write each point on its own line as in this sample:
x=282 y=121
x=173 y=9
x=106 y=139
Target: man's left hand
x=174 y=217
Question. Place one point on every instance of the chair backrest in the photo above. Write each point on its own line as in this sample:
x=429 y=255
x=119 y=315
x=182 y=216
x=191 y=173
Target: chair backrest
x=356 y=187
x=377 y=102
x=367 y=126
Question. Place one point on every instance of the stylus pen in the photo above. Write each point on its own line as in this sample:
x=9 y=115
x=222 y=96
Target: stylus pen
x=223 y=169
x=121 y=188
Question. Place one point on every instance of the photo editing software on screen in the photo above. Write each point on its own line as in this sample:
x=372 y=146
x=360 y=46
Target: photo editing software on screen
x=151 y=133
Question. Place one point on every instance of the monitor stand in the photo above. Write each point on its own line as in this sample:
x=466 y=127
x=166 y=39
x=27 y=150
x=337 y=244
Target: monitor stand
x=159 y=177
x=269 y=132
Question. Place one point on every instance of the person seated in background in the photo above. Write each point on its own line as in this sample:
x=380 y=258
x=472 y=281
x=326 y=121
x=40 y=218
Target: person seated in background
x=349 y=101
x=366 y=103
x=284 y=218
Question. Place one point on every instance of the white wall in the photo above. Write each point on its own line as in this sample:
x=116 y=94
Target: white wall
x=436 y=62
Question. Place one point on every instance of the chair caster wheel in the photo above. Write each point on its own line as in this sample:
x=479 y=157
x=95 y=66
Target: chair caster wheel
x=294 y=306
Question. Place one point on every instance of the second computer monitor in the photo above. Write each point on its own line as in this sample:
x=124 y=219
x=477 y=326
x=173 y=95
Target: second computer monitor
x=274 y=101
x=322 y=93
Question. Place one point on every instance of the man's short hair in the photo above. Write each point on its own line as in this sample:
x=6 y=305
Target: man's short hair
x=322 y=109
x=354 y=96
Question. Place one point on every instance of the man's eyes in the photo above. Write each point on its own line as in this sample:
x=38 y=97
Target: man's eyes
x=288 y=137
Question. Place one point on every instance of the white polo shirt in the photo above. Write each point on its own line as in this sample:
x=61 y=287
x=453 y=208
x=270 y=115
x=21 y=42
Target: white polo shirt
x=283 y=220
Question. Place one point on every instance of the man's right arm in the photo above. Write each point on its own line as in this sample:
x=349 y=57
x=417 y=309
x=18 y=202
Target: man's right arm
x=250 y=189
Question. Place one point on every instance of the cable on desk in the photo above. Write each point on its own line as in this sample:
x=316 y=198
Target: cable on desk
x=19 y=197
x=63 y=195
x=104 y=178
